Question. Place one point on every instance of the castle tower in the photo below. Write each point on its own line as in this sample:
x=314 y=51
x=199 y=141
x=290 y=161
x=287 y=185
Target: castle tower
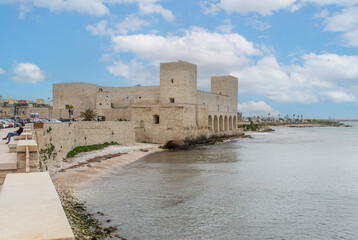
x=103 y=99
x=178 y=83
x=227 y=86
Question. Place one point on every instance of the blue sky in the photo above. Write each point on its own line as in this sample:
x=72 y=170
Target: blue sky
x=291 y=56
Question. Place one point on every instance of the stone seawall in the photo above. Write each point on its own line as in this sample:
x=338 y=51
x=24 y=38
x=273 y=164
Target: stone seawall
x=55 y=140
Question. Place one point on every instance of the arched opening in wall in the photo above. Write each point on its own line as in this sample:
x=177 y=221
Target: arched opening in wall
x=230 y=123
x=100 y=90
x=221 y=126
x=210 y=122
x=216 y=128
x=234 y=123
x=225 y=123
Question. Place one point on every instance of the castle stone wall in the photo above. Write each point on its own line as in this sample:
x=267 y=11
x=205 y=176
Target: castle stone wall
x=79 y=95
x=66 y=136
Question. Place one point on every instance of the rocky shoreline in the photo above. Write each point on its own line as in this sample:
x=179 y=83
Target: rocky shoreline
x=77 y=172
x=189 y=143
x=85 y=225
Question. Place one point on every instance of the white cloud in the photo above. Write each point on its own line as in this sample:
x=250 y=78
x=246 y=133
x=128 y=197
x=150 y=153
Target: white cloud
x=317 y=77
x=267 y=7
x=149 y=8
x=345 y=22
x=196 y=44
x=99 y=29
x=257 y=23
x=259 y=6
x=339 y=96
x=107 y=57
x=331 y=2
x=226 y=27
x=259 y=108
x=27 y=73
x=131 y=23
x=210 y=8
x=90 y=7
x=213 y=52
x=2 y=71
x=135 y=71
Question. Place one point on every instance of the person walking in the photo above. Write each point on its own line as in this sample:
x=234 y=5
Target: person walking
x=11 y=134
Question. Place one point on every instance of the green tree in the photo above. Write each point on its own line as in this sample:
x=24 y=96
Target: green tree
x=69 y=107
x=88 y=115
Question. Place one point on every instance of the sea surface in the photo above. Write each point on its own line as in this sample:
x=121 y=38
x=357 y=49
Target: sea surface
x=294 y=183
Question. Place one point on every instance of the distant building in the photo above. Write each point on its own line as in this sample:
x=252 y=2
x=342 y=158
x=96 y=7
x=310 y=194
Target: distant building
x=39 y=101
x=239 y=117
x=9 y=101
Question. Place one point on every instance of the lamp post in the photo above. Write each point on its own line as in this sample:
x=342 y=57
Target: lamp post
x=49 y=116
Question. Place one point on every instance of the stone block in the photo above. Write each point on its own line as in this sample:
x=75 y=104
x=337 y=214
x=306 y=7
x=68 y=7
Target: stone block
x=21 y=145
x=31 y=209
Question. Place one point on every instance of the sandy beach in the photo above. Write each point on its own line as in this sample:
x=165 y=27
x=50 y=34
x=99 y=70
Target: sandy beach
x=78 y=171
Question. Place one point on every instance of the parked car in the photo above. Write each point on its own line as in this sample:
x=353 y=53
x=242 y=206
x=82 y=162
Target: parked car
x=54 y=120
x=4 y=123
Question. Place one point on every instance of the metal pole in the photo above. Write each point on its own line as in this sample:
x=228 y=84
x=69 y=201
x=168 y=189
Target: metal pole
x=15 y=115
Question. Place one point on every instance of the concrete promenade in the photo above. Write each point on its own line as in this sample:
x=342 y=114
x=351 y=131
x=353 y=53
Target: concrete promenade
x=31 y=209
x=29 y=204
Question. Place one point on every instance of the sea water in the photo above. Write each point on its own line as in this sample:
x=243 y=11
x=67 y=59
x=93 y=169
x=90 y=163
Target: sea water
x=294 y=183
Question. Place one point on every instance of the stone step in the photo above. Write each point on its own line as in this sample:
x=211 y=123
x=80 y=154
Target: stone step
x=8 y=161
x=21 y=145
x=25 y=135
x=12 y=147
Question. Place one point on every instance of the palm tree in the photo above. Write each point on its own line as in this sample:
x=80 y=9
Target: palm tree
x=69 y=107
x=88 y=115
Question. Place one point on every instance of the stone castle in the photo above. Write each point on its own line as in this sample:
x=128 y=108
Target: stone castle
x=175 y=110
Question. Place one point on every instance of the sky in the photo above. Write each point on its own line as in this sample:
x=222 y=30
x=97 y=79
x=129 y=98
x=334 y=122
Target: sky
x=290 y=56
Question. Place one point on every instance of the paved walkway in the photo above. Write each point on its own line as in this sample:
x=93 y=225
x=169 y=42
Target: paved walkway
x=31 y=209
x=8 y=161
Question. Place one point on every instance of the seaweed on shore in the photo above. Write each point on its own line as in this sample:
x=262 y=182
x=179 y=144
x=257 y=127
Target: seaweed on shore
x=84 y=225
x=89 y=148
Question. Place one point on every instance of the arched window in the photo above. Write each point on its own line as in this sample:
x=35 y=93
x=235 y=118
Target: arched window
x=210 y=122
x=225 y=123
x=221 y=126
x=216 y=126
